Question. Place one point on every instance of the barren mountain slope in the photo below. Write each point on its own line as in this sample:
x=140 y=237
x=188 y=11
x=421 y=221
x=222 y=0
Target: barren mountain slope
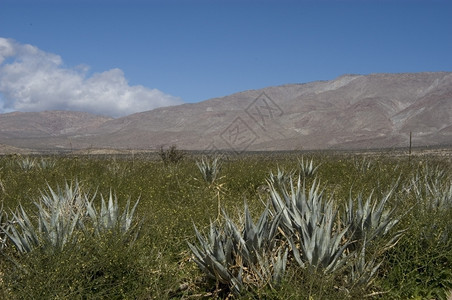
x=45 y=129
x=352 y=111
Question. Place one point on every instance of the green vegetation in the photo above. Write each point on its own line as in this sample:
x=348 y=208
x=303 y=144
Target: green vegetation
x=321 y=226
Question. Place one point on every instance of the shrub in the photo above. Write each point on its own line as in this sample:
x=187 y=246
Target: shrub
x=172 y=155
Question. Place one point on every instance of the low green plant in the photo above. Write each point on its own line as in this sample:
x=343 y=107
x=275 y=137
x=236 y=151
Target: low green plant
x=419 y=267
x=93 y=268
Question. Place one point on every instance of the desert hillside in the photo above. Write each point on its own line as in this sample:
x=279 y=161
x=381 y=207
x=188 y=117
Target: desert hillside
x=349 y=112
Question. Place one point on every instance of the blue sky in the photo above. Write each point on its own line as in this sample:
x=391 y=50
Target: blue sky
x=118 y=57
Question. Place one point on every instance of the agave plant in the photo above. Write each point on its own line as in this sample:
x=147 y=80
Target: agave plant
x=254 y=238
x=371 y=219
x=46 y=163
x=307 y=168
x=368 y=223
x=244 y=255
x=68 y=200
x=432 y=190
x=309 y=224
x=209 y=168
x=4 y=226
x=362 y=270
x=23 y=234
x=27 y=163
x=281 y=178
x=109 y=217
x=61 y=214
x=363 y=165
x=215 y=258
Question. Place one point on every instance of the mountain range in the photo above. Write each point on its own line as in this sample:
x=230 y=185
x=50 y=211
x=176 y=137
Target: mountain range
x=349 y=112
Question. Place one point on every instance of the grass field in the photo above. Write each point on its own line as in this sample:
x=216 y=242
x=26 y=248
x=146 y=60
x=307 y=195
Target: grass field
x=397 y=247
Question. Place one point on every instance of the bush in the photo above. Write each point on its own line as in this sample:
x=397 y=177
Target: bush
x=93 y=268
x=172 y=155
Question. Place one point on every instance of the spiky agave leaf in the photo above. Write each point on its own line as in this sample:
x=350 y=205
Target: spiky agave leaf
x=127 y=216
x=281 y=205
x=246 y=255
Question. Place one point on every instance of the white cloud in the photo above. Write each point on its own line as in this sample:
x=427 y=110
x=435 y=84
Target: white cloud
x=34 y=80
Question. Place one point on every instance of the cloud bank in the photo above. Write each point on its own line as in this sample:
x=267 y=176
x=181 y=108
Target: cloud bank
x=34 y=80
